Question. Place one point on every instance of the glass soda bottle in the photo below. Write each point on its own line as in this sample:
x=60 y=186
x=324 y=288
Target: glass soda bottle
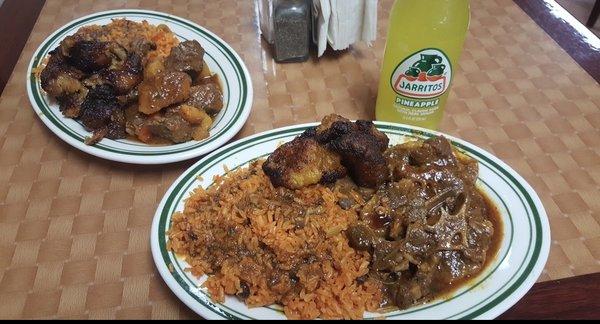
x=424 y=42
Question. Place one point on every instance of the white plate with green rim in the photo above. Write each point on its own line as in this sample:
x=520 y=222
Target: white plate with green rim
x=220 y=58
x=519 y=262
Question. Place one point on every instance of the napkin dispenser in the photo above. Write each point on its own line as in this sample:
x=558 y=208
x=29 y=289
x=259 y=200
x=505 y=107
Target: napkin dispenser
x=339 y=23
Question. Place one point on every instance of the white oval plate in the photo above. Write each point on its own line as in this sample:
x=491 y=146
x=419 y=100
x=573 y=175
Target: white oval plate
x=517 y=265
x=220 y=58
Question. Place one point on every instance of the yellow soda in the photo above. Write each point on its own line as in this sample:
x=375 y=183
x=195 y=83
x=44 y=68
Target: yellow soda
x=424 y=42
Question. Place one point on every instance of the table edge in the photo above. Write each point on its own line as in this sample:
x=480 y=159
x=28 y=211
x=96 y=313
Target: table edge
x=571 y=35
x=16 y=22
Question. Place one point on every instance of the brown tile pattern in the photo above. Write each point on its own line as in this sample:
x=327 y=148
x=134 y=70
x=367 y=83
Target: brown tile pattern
x=74 y=229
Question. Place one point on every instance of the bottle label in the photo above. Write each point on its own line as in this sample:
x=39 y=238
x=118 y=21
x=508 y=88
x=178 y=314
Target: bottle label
x=420 y=79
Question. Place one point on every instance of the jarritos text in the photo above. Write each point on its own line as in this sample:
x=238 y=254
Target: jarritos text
x=423 y=75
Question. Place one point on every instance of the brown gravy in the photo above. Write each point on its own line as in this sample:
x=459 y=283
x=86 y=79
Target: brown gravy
x=492 y=252
x=206 y=73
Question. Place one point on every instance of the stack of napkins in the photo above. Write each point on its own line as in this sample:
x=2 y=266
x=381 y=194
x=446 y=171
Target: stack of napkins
x=341 y=23
x=265 y=14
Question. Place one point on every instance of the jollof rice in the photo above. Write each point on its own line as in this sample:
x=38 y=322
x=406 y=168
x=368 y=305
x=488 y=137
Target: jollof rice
x=272 y=245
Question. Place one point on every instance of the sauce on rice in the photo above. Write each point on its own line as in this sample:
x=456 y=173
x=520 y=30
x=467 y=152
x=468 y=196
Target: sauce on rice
x=271 y=245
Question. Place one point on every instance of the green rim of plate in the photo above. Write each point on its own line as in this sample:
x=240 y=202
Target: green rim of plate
x=42 y=105
x=528 y=263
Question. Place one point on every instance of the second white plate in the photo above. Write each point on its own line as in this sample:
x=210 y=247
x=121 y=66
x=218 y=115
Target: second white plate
x=220 y=58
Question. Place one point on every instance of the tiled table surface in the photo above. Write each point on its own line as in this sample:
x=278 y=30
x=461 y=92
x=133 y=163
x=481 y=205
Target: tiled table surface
x=75 y=229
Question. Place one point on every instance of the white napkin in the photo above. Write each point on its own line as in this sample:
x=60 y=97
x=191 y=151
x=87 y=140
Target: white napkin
x=265 y=14
x=369 y=25
x=321 y=14
x=344 y=22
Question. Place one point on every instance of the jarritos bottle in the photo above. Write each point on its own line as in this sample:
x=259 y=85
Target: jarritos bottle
x=424 y=42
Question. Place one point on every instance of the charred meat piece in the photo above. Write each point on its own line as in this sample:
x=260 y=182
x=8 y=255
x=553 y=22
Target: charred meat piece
x=59 y=78
x=164 y=90
x=207 y=97
x=360 y=146
x=70 y=105
x=126 y=77
x=363 y=158
x=101 y=111
x=67 y=43
x=89 y=55
x=378 y=137
x=328 y=121
x=117 y=52
x=98 y=107
x=186 y=57
x=303 y=162
x=94 y=80
x=62 y=81
x=334 y=127
x=114 y=129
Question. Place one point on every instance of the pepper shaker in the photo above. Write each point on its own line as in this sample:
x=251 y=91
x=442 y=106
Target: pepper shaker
x=291 y=30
